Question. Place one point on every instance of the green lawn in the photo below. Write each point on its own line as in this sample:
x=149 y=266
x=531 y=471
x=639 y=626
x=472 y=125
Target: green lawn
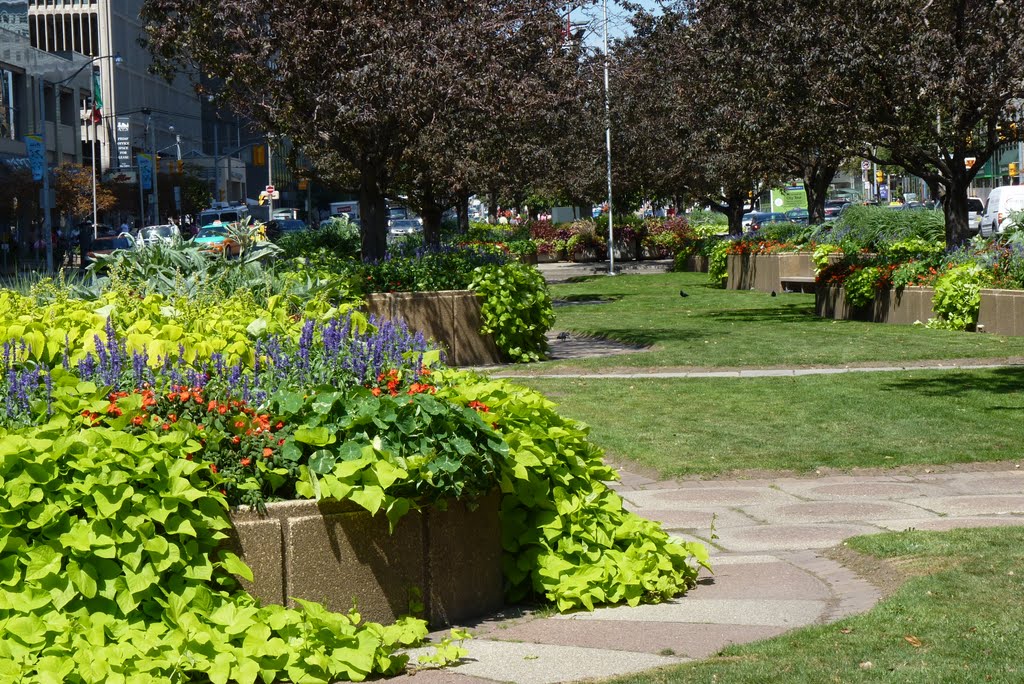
x=959 y=620
x=718 y=425
x=724 y=328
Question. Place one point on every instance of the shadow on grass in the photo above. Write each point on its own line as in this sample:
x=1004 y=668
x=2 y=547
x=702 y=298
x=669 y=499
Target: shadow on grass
x=645 y=338
x=569 y=300
x=787 y=313
x=995 y=381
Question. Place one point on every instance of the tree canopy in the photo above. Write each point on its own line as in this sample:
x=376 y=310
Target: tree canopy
x=358 y=84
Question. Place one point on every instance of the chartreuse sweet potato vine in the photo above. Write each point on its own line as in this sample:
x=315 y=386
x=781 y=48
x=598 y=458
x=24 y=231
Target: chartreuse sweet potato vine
x=566 y=535
x=110 y=570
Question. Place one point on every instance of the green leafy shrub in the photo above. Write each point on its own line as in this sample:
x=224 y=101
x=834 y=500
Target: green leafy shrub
x=870 y=228
x=861 y=286
x=820 y=255
x=566 y=535
x=911 y=248
x=717 y=263
x=338 y=238
x=957 y=298
x=516 y=310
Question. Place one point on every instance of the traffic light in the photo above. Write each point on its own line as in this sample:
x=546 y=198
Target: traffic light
x=1013 y=169
x=879 y=176
x=181 y=166
x=259 y=155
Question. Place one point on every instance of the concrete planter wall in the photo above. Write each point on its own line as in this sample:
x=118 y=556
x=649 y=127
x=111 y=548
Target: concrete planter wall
x=625 y=250
x=901 y=307
x=696 y=264
x=336 y=552
x=452 y=318
x=1002 y=312
x=587 y=254
x=766 y=272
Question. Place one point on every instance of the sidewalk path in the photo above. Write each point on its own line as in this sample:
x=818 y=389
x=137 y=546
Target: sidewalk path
x=770 y=573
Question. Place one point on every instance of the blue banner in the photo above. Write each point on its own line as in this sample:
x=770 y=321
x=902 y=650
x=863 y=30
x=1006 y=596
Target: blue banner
x=146 y=171
x=36 y=155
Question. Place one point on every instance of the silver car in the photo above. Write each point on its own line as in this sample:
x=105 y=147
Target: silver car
x=151 y=235
x=402 y=227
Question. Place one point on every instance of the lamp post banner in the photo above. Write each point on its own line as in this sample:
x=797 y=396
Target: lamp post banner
x=36 y=156
x=124 y=142
x=146 y=171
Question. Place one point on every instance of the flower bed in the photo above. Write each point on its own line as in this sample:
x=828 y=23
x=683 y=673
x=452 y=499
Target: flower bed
x=131 y=425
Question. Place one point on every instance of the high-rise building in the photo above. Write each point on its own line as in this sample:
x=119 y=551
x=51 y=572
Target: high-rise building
x=132 y=99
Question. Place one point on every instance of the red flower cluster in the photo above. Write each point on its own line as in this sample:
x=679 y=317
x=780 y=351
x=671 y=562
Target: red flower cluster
x=479 y=406
x=391 y=383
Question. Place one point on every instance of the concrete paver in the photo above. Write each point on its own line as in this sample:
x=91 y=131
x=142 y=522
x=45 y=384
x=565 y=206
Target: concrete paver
x=769 y=572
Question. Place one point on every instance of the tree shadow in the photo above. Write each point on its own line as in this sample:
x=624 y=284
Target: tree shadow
x=570 y=300
x=1008 y=380
x=644 y=338
x=785 y=313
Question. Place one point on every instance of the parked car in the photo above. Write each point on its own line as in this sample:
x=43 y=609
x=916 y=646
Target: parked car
x=213 y=239
x=764 y=218
x=798 y=216
x=1001 y=202
x=835 y=208
x=975 y=211
x=401 y=227
x=107 y=243
x=151 y=235
x=281 y=227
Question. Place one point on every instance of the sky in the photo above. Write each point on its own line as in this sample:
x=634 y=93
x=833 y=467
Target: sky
x=618 y=20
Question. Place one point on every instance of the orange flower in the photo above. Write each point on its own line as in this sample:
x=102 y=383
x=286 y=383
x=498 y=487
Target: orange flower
x=375 y=391
x=267 y=452
x=213 y=467
x=245 y=462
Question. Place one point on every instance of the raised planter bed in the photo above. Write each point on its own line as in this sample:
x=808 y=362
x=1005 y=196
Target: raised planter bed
x=766 y=272
x=625 y=250
x=335 y=553
x=695 y=264
x=451 y=318
x=901 y=307
x=585 y=254
x=1002 y=312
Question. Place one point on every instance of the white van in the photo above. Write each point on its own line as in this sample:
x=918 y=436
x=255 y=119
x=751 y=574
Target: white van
x=1000 y=204
x=225 y=213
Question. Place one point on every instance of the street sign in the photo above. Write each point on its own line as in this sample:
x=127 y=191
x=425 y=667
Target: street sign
x=275 y=194
x=270 y=189
x=865 y=165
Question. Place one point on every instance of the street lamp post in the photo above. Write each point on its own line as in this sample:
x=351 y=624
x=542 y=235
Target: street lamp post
x=608 y=146
x=47 y=221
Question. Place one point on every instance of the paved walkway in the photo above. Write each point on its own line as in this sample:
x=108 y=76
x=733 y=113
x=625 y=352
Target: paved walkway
x=770 y=573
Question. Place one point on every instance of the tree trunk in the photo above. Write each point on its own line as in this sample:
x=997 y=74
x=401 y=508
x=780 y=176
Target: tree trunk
x=735 y=210
x=462 y=209
x=817 y=178
x=492 y=207
x=955 y=210
x=373 y=211
x=431 y=214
